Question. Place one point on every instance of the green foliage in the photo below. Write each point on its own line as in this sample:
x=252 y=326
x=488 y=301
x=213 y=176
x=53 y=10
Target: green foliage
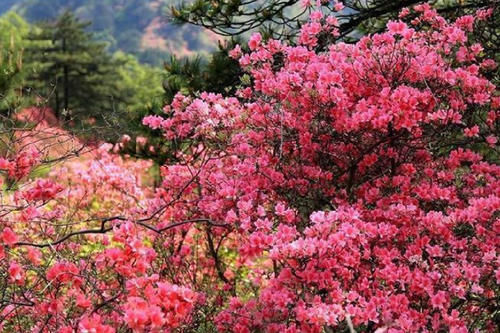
x=12 y=30
x=184 y=76
x=220 y=74
x=142 y=83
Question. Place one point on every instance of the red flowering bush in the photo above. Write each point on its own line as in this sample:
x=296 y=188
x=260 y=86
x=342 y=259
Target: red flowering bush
x=358 y=180
x=62 y=272
x=352 y=188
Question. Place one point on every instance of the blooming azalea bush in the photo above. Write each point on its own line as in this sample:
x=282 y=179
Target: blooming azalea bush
x=361 y=182
x=63 y=273
x=347 y=188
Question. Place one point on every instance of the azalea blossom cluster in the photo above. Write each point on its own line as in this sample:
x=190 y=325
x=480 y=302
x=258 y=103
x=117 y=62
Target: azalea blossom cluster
x=22 y=163
x=349 y=188
x=360 y=182
x=61 y=265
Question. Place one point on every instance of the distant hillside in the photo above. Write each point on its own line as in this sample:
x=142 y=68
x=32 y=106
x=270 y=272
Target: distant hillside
x=138 y=27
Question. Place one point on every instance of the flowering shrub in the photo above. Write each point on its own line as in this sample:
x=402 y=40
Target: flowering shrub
x=358 y=180
x=349 y=189
x=63 y=273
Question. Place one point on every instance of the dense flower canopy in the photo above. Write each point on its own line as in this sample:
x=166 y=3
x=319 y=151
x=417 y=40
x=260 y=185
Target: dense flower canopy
x=346 y=188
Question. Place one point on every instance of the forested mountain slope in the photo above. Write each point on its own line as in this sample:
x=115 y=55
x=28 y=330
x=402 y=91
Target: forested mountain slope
x=138 y=27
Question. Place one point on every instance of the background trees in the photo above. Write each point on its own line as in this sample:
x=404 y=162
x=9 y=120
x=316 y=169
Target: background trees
x=106 y=94
x=136 y=27
x=98 y=94
x=76 y=73
x=13 y=28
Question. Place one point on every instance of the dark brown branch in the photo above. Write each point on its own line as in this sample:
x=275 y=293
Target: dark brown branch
x=103 y=229
x=215 y=256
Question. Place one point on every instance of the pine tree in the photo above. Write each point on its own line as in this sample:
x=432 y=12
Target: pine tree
x=218 y=74
x=73 y=72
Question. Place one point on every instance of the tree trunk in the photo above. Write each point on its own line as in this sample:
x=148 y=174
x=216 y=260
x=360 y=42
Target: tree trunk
x=57 y=111
x=65 y=83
